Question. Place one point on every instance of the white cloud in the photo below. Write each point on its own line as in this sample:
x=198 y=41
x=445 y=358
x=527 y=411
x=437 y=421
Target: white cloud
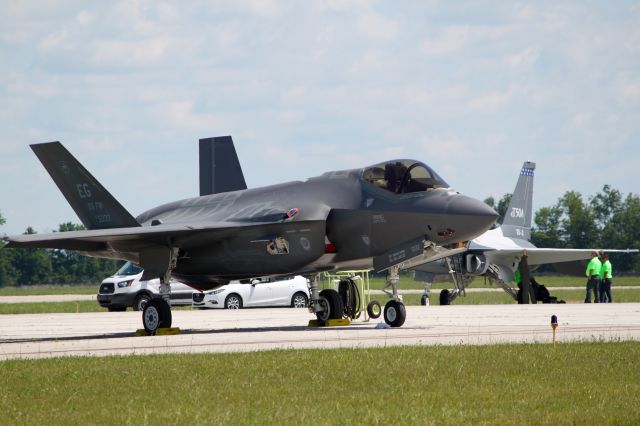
x=377 y=27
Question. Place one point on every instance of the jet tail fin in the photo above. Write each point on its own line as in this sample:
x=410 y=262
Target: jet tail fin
x=220 y=170
x=94 y=205
x=517 y=218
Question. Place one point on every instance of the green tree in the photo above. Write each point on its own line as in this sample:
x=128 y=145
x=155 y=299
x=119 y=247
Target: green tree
x=501 y=207
x=578 y=225
x=71 y=267
x=8 y=275
x=33 y=265
x=546 y=231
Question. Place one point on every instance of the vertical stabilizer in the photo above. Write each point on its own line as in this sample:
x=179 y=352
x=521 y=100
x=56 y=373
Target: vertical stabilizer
x=517 y=218
x=94 y=205
x=220 y=170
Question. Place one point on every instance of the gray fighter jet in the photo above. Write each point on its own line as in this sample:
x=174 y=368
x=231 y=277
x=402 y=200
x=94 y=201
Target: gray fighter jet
x=372 y=217
x=497 y=253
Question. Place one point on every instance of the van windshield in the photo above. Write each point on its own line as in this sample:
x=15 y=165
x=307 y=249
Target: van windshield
x=129 y=269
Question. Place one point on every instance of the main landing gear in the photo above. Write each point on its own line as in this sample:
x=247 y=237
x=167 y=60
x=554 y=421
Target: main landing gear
x=156 y=314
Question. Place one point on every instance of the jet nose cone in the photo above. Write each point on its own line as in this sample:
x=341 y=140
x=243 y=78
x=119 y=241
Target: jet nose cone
x=470 y=217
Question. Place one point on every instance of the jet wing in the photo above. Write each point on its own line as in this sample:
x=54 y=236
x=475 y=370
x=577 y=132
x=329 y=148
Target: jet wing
x=540 y=256
x=99 y=239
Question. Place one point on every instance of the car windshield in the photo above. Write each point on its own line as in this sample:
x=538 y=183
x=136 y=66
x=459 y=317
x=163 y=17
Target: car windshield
x=129 y=269
x=403 y=176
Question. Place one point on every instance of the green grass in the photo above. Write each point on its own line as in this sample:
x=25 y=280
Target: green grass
x=502 y=384
x=48 y=289
x=549 y=281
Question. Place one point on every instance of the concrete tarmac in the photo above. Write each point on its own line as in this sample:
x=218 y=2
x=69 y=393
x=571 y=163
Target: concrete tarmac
x=112 y=333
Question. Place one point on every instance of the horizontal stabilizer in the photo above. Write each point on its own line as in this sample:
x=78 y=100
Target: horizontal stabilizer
x=540 y=256
x=94 y=205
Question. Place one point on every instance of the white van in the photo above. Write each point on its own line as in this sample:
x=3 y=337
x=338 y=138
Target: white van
x=124 y=289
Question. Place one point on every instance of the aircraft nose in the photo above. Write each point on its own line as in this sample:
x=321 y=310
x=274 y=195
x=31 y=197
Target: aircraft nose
x=469 y=217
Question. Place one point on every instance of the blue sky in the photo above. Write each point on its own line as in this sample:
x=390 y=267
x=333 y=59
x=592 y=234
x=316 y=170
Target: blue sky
x=471 y=88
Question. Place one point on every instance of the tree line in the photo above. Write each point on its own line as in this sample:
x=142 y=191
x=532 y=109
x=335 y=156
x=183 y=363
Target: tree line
x=605 y=220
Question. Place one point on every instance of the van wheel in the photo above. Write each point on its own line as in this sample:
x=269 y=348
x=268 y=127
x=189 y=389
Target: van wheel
x=140 y=302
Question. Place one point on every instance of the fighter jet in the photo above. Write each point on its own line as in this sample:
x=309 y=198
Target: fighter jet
x=375 y=216
x=497 y=253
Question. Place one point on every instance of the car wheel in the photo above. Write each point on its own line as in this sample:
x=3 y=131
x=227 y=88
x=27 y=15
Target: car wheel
x=140 y=302
x=233 y=301
x=374 y=309
x=299 y=300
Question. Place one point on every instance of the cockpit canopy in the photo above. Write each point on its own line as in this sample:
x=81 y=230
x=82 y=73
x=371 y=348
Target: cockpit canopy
x=403 y=176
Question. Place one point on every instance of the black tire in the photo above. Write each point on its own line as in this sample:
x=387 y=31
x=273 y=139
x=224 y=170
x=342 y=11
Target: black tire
x=519 y=296
x=233 y=301
x=423 y=300
x=333 y=303
x=141 y=301
x=374 y=309
x=395 y=313
x=116 y=308
x=444 y=297
x=157 y=314
x=299 y=300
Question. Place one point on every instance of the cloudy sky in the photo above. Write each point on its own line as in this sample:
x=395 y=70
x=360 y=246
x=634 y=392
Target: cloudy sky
x=471 y=88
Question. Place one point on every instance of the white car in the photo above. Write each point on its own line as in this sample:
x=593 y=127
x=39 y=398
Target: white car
x=124 y=289
x=281 y=291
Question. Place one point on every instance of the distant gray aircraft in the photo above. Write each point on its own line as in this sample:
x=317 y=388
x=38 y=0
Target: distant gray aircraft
x=497 y=253
x=371 y=217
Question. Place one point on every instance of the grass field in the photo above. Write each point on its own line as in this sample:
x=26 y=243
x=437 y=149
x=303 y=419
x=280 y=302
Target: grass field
x=579 y=383
x=49 y=289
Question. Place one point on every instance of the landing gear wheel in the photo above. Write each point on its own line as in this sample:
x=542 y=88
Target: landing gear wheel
x=233 y=301
x=424 y=300
x=140 y=302
x=299 y=300
x=156 y=314
x=444 y=297
x=374 y=309
x=330 y=300
x=394 y=313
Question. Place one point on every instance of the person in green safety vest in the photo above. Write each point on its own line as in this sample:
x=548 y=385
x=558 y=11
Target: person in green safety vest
x=593 y=278
x=606 y=273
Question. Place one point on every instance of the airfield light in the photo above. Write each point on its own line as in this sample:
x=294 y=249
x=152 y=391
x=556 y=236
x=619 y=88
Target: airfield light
x=554 y=325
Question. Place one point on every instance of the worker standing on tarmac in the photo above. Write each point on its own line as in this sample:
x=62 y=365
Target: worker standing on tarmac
x=593 y=275
x=606 y=272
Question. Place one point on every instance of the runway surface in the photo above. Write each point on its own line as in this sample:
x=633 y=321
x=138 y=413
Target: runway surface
x=112 y=333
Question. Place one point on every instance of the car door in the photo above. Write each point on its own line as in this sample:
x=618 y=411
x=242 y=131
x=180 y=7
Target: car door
x=258 y=293
x=281 y=291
